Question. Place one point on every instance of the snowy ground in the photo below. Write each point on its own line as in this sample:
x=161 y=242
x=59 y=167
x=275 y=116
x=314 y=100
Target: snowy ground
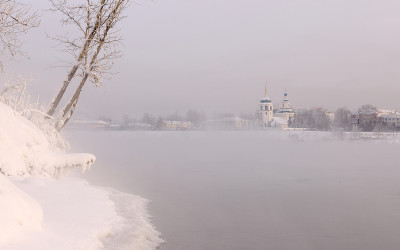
x=42 y=207
x=77 y=215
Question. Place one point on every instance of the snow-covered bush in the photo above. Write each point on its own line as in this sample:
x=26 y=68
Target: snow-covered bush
x=15 y=95
x=29 y=143
x=26 y=150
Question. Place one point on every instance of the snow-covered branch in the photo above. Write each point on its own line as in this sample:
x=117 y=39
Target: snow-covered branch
x=94 y=50
x=15 y=18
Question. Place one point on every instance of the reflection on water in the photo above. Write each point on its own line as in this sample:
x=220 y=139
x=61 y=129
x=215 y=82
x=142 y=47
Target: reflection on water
x=254 y=190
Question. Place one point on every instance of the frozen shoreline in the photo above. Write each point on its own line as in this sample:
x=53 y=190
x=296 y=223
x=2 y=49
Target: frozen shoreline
x=77 y=215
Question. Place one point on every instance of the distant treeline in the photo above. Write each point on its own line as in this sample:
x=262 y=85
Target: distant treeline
x=196 y=118
x=366 y=118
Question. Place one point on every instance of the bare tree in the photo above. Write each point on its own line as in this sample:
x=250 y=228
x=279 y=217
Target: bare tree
x=315 y=118
x=94 y=51
x=195 y=117
x=367 y=109
x=149 y=119
x=367 y=117
x=322 y=120
x=15 y=19
x=81 y=16
x=304 y=119
x=101 y=60
x=343 y=119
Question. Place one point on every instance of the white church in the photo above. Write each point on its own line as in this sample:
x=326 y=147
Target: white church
x=280 y=118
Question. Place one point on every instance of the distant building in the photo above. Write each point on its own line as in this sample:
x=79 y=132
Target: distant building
x=266 y=110
x=275 y=118
x=235 y=122
x=285 y=112
x=229 y=123
x=137 y=126
x=280 y=122
x=330 y=115
x=176 y=125
x=87 y=124
x=388 y=118
x=376 y=120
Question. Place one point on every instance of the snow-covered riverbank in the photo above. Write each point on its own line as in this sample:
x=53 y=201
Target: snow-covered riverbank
x=71 y=214
x=38 y=211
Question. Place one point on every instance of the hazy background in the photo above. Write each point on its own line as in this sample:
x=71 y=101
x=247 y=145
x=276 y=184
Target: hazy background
x=216 y=55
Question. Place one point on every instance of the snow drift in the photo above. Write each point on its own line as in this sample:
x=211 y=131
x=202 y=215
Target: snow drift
x=19 y=213
x=25 y=150
x=39 y=212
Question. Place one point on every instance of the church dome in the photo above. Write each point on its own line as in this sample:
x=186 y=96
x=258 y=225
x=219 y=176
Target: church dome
x=265 y=100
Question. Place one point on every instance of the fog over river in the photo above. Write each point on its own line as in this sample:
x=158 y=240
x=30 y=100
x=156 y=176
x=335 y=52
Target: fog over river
x=255 y=189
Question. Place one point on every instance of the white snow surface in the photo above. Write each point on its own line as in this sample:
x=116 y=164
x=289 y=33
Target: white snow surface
x=40 y=212
x=25 y=150
x=77 y=215
x=19 y=213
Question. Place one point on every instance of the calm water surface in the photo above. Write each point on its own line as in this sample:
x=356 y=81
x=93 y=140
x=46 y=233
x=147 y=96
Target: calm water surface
x=254 y=190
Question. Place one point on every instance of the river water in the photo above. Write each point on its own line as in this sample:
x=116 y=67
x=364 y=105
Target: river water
x=254 y=189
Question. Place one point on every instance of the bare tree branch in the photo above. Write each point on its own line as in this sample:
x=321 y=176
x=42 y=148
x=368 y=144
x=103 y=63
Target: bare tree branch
x=102 y=55
x=72 y=17
x=15 y=19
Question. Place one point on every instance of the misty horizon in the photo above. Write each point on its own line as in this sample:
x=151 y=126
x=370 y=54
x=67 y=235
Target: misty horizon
x=215 y=57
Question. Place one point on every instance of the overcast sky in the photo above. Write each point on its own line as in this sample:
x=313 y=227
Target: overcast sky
x=216 y=55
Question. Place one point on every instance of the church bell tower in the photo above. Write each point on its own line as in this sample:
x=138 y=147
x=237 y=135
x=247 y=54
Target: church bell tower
x=266 y=110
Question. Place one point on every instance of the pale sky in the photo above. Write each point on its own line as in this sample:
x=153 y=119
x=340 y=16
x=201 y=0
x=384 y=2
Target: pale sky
x=216 y=55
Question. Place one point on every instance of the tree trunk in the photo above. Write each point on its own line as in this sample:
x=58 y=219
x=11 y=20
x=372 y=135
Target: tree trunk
x=60 y=94
x=57 y=99
x=70 y=107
